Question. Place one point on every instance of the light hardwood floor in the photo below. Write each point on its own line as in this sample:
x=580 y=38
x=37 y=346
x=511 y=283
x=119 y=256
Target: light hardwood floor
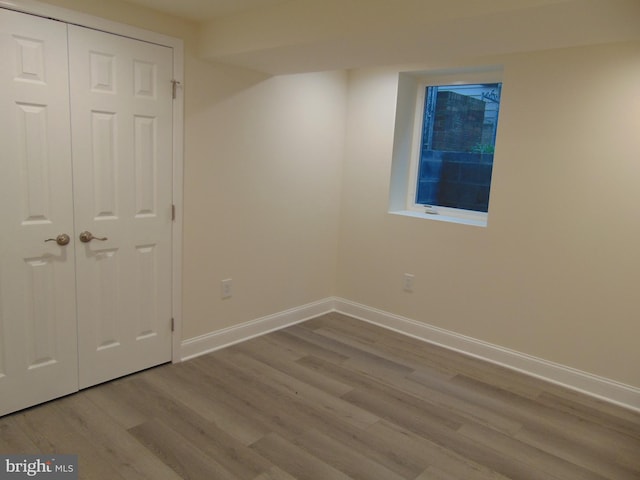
x=332 y=398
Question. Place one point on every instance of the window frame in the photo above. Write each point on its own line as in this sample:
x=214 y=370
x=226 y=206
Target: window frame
x=434 y=79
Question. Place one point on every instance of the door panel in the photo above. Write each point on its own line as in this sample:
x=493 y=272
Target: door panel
x=121 y=110
x=38 y=344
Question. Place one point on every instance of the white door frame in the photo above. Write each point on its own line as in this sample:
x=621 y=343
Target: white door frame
x=70 y=16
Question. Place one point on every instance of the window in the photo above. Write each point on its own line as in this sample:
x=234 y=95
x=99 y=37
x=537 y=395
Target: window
x=451 y=123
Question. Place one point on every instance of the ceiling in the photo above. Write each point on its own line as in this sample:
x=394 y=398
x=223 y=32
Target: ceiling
x=295 y=36
x=203 y=10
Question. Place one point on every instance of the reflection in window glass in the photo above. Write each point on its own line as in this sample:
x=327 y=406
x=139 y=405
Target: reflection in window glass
x=457 y=145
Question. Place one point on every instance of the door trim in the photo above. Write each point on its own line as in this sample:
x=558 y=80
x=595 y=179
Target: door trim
x=77 y=18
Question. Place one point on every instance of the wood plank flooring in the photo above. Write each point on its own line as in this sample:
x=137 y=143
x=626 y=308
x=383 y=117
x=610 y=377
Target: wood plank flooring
x=332 y=398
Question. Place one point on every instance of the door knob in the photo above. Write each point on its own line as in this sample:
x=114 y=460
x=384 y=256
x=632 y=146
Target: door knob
x=62 y=239
x=88 y=236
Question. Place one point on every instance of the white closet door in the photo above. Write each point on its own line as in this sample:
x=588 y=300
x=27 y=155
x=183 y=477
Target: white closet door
x=38 y=346
x=121 y=110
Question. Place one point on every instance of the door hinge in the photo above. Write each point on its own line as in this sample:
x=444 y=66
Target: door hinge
x=173 y=213
x=174 y=88
x=173 y=325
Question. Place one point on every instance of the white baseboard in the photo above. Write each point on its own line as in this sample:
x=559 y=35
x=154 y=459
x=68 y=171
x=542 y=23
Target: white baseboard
x=593 y=385
x=210 y=342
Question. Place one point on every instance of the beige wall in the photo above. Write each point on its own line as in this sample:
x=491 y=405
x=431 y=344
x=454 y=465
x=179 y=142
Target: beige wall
x=130 y=14
x=556 y=272
x=262 y=195
x=276 y=200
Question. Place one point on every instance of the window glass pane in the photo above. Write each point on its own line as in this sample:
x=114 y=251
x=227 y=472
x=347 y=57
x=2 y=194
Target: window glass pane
x=458 y=140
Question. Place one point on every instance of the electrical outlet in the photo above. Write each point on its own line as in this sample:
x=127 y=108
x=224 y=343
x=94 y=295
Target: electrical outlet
x=227 y=288
x=407 y=282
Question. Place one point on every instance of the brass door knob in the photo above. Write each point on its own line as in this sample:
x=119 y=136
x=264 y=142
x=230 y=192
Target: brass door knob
x=62 y=239
x=86 y=237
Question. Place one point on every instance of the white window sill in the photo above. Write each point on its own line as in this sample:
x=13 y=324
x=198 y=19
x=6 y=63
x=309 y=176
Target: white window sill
x=441 y=218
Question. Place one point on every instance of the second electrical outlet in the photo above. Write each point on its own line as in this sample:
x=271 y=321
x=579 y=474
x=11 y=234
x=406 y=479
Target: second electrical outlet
x=226 y=288
x=407 y=282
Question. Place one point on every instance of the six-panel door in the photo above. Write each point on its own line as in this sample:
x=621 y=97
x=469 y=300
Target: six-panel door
x=38 y=344
x=105 y=161
x=121 y=114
